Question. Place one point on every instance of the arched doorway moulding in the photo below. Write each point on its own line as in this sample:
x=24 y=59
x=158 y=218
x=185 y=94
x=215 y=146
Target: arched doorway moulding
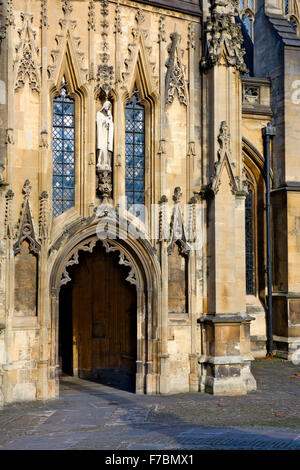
x=144 y=273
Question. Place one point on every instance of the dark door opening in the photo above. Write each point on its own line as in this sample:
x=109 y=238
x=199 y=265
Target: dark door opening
x=98 y=321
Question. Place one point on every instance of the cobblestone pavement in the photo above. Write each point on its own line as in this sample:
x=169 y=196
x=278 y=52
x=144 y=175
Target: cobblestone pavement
x=92 y=416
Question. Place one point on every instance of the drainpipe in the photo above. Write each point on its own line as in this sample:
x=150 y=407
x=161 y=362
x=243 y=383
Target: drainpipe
x=268 y=132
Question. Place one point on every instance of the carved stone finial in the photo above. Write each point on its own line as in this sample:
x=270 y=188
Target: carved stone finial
x=44 y=14
x=118 y=28
x=163 y=199
x=67 y=7
x=91 y=14
x=175 y=80
x=177 y=195
x=26 y=189
x=162 y=29
x=140 y=17
x=223 y=33
x=27 y=60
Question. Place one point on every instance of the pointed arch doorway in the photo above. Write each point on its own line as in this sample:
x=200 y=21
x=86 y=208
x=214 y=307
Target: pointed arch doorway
x=98 y=321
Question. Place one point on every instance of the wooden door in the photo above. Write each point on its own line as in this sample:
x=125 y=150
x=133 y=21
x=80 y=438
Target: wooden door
x=104 y=316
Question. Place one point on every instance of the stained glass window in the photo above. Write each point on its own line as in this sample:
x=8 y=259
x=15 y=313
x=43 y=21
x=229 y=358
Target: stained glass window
x=135 y=151
x=242 y=4
x=250 y=3
x=247 y=20
x=249 y=243
x=63 y=152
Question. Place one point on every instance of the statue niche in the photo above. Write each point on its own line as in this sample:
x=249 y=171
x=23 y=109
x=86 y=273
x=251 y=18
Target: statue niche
x=104 y=150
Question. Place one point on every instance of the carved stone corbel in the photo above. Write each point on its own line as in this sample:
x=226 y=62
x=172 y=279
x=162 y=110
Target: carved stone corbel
x=105 y=186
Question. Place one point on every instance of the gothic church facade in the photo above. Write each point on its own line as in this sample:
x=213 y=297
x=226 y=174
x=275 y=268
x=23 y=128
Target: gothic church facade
x=133 y=242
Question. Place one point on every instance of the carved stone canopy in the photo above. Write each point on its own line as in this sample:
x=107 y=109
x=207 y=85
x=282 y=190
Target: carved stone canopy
x=223 y=34
x=175 y=77
x=26 y=228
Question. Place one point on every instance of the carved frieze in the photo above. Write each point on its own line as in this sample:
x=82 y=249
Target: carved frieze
x=175 y=77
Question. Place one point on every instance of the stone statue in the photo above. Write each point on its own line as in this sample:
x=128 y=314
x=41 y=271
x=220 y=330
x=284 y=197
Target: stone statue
x=105 y=137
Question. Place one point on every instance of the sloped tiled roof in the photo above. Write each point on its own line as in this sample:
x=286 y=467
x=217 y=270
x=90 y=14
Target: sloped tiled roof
x=284 y=30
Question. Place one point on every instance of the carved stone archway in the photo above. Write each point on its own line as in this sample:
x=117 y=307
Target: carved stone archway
x=144 y=273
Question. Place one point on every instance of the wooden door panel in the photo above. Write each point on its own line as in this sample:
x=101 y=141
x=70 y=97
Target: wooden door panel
x=104 y=312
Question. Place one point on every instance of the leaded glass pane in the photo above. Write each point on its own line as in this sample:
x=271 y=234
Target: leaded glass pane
x=135 y=152
x=63 y=153
x=249 y=243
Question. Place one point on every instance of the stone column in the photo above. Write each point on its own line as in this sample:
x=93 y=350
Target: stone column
x=226 y=344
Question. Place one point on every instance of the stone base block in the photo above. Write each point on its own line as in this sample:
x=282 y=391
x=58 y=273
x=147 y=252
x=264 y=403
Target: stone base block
x=287 y=348
x=247 y=377
x=225 y=386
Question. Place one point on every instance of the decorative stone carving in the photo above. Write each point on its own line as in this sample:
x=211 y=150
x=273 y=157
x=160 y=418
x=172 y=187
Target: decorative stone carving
x=140 y=17
x=9 y=136
x=89 y=245
x=123 y=259
x=224 y=158
x=67 y=7
x=91 y=20
x=105 y=72
x=175 y=77
x=223 y=34
x=140 y=37
x=43 y=216
x=44 y=140
x=27 y=59
x=74 y=259
x=26 y=228
x=191 y=36
x=68 y=27
x=164 y=226
x=162 y=29
x=10 y=19
x=8 y=222
x=105 y=186
x=118 y=27
x=44 y=14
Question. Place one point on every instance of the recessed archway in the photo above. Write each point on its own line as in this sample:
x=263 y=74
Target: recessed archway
x=98 y=321
x=138 y=266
